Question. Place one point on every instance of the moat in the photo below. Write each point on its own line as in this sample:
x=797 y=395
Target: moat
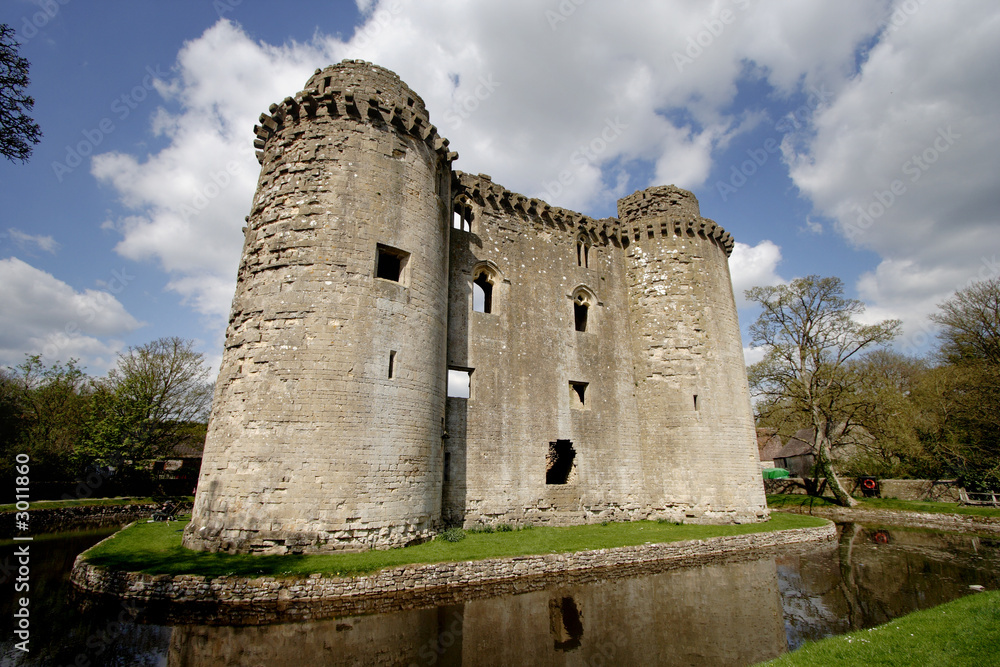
x=750 y=608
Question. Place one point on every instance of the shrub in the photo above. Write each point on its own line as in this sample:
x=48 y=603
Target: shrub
x=453 y=535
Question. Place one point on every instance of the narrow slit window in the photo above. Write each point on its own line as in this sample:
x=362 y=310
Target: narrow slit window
x=560 y=462
x=578 y=395
x=392 y=363
x=459 y=383
x=696 y=401
x=582 y=252
x=482 y=294
x=390 y=263
x=447 y=466
x=580 y=309
x=462 y=215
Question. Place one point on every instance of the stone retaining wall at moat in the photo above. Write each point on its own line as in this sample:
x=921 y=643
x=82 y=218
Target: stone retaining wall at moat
x=84 y=516
x=953 y=522
x=248 y=601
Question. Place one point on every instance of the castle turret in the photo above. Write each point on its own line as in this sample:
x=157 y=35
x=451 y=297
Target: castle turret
x=328 y=414
x=697 y=433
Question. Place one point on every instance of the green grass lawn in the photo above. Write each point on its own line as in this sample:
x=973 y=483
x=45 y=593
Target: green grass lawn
x=781 y=501
x=155 y=548
x=53 y=504
x=961 y=632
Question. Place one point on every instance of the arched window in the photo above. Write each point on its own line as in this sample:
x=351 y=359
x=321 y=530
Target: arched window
x=462 y=214
x=582 y=251
x=583 y=299
x=484 y=279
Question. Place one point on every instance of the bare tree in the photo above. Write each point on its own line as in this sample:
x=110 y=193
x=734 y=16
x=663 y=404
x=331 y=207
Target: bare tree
x=18 y=132
x=807 y=377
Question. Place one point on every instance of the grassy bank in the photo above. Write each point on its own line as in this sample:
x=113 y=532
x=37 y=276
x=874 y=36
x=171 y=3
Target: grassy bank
x=78 y=502
x=794 y=500
x=961 y=632
x=155 y=548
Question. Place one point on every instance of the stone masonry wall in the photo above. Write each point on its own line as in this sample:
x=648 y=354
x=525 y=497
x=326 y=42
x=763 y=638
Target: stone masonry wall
x=312 y=446
x=699 y=451
x=525 y=354
x=331 y=428
x=250 y=601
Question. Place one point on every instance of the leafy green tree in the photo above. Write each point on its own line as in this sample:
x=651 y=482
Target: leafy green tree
x=42 y=412
x=889 y=444
x=968 y=418
x=807 y=376
x=18 y=132
x=146 y=406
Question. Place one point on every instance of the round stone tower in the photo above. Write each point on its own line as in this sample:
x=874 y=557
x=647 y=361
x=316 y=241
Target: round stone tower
x=327 y=420
x=697 y=436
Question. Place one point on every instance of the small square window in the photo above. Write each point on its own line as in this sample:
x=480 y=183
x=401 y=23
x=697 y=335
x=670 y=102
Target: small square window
x=390 y=263
x=578 y=395
x=459 y=383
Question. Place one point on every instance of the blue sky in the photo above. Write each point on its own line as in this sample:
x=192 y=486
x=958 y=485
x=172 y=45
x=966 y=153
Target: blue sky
x=855 y=139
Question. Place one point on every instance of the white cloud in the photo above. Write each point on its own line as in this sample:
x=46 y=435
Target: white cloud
x=751 y=266
x=189 y=199
x=43 y=315
x=904 y=159
x=751 y=355
x=569 y=109
x=28 y=242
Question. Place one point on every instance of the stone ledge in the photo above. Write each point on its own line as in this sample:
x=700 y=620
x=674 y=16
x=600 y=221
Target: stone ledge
x=47 y=520
x=960 y=522
x=251 y=601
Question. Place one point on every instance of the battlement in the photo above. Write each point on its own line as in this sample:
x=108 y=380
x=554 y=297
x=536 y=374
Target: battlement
x=638 y=212
x=361 y=90
x=676 y=210
x=481 y=189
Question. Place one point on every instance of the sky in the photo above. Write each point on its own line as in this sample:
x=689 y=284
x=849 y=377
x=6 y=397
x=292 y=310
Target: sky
x=855 y=139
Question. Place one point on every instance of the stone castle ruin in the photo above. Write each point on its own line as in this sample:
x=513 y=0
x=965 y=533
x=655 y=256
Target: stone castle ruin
x=412 y=347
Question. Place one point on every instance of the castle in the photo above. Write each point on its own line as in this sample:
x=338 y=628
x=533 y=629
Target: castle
x=412 y=347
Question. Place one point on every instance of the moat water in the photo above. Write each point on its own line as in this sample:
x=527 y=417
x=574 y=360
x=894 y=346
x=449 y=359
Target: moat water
x=746 y=610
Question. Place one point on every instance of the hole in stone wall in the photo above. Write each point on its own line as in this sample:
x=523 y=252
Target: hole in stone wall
x=565 y=624
x=696 y=401
x=462 y=214
x=582 y=252
x=459 y=383
x=390 y=263
x=580 y=314
x=392 y=362
x=482 y=294
x=578 y=395
x=560 y=462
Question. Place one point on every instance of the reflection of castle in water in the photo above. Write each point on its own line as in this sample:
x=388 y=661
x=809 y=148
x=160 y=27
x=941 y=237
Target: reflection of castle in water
x=727 y=614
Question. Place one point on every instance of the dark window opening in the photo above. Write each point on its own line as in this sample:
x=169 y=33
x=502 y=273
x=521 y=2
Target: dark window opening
x=582 y=253
x=696 y=401
x=565 y=624
x=447 y=466
x=392 y=362
x=559 y=462
x=577 y=395
x=462 y=215
x=389 y=263
x=580 y=314
x=459 y=383
x=482 y=294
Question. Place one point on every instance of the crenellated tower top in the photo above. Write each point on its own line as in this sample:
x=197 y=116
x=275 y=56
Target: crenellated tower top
x=677 y=211
x=359 y=89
